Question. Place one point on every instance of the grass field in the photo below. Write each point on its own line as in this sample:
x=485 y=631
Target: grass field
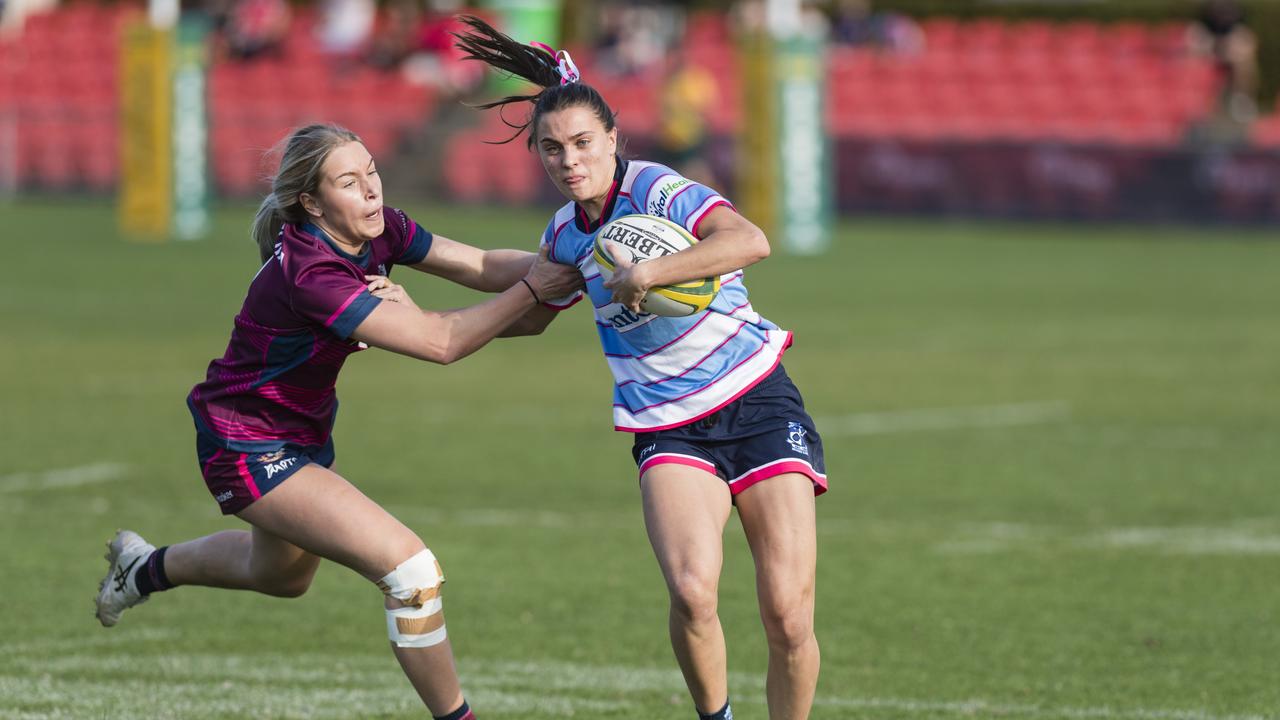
x=1053 y=458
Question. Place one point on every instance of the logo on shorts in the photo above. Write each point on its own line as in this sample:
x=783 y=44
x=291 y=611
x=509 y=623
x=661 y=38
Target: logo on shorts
x=270 y=457
x=285 y=464
x=223 y=497
x=795 y=438
x=648 y=449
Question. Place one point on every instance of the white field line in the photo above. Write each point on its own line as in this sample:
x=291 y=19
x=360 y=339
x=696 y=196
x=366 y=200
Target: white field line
x=63 y=477
x=316 y=686
x=1189 y=540
x=955 y=418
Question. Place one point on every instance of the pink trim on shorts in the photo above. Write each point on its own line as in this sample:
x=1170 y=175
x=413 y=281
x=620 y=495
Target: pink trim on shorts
x=247 y=476
x=676 y=459
x=775 y=468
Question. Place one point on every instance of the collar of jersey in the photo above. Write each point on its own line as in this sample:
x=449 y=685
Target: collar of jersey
x=580 y=217
x=362 y=259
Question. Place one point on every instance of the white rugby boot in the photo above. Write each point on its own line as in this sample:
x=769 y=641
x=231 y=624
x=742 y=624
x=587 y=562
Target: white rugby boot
x=118 y=592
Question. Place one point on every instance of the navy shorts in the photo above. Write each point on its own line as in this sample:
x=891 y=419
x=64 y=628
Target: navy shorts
x=764 y=433
x=236 y=479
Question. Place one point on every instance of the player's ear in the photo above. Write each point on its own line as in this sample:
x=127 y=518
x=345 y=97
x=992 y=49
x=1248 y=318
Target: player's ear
x=310 y=205
x=613 y=141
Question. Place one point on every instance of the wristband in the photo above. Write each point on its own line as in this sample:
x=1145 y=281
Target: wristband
x=531 y=291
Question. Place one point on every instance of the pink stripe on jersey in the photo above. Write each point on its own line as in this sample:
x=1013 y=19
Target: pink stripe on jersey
x=693 y=367
x=566 y=306
x=691 y=393
x=676 y=459
x=717 y=408
x=247 y=476
x=776 y=468
x=343 y=306
x=698 y=222
x=678 y=338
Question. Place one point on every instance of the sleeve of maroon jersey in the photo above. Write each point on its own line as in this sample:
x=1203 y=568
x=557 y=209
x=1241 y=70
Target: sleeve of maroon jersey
x=329 y=294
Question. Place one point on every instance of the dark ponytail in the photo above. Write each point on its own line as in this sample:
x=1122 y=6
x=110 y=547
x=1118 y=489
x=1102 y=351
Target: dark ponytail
x=496 y=49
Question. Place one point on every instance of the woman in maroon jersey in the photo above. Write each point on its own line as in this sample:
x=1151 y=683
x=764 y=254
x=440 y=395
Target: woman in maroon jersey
x=264 y=413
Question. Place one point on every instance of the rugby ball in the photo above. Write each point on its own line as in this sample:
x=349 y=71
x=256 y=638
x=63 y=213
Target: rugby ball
x=647 y=237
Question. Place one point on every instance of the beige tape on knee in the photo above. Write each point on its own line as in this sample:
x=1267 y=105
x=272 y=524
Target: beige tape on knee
x=416 y=583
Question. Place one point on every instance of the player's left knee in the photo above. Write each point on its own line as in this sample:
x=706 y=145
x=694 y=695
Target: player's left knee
x=415 y=584
x=788 y=625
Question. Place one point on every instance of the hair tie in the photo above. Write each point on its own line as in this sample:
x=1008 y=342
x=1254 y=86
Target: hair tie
x=564 y=64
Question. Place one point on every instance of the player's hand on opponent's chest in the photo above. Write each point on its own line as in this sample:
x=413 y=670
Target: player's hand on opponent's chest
x=380 y=286
x=550 y=279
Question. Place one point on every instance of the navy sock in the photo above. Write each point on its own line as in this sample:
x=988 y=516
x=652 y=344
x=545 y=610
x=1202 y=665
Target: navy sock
x=724 y=713
x=462 y=713
x=151 y=576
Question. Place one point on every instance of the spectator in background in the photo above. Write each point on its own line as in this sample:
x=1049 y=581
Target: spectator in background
x=855 y=23
x=256 y=27
x=689 y=95
x=434 y=60
x=14 y=12
x=398 y=38
x=1220 y=32
x=345 y=25
x=634 y=36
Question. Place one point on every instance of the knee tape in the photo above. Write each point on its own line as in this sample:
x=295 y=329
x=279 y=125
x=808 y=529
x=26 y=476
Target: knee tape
x=416 y=583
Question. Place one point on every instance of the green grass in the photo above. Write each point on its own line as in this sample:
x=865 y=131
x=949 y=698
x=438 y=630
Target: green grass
x=1116 y=559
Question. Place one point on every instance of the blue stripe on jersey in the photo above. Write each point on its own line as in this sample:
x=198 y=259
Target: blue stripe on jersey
x=285 y=353
x=418 y=247
x=354 y=314
x=362 y=259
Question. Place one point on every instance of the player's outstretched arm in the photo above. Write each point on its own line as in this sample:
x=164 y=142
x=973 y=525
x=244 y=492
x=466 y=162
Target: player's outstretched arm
x=445 y=337
x=484 y=270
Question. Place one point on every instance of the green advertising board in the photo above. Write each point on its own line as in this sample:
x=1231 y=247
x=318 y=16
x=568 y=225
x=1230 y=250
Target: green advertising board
x=784 y=158
x=190 y=131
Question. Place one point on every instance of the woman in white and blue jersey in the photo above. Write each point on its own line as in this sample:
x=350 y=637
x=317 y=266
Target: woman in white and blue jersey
x=717 y=422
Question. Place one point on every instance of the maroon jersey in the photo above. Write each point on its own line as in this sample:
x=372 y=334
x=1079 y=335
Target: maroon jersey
x=275 y=383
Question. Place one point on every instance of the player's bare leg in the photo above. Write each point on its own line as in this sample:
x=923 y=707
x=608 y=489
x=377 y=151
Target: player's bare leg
x=778 y=518
x=319 y=511
x=685 y=510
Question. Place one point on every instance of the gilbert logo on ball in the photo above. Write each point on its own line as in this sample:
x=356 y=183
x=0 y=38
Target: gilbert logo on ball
x=647 y=237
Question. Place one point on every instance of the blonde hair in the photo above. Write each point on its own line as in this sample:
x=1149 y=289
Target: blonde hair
x=303 y=155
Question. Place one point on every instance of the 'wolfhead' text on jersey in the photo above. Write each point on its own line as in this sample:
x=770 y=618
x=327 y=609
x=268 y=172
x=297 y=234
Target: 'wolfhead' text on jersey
x=668 y=371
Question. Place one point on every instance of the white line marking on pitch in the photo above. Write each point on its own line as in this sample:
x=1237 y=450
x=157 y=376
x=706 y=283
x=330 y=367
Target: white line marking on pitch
x=63 y=477
x=316 y=686
x=880 y=423
x=1239 y=539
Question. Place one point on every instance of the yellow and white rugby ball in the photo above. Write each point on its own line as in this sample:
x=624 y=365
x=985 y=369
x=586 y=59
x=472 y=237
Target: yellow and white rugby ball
x=647 y=237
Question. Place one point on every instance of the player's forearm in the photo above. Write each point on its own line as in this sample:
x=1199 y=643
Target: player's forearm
x=718 y=253
x=469 y=329
x=501 y=269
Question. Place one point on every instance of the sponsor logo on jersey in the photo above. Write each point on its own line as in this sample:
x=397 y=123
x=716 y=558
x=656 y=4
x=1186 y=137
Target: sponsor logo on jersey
x=624 y=319
x=795 y=438
x=658 y=205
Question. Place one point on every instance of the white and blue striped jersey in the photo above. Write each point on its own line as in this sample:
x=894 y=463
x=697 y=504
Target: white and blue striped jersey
x=668 y=371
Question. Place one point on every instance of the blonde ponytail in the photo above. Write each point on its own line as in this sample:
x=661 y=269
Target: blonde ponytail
x=266 y=226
